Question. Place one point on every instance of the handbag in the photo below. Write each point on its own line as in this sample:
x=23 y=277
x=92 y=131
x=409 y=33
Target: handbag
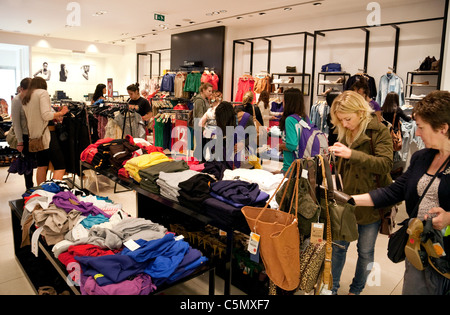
x=308 y=208
x=37 y=144
x=11 y=138
x=397 y=241
x=279 y=240
x=316 y=259
x=341 y=206
x=396 y=136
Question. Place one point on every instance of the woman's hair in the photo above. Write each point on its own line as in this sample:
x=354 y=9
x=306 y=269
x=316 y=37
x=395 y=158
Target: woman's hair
x=98 y=91
x=25 y=83
x=204 y=86
x=350 y=102
x=133 y=87
x=391 y=103
x=293 y=104
x=363 y=84
x=225 y=116
x=264 y=97
x=248 y=98
x=217 y=95
x=434 y=109
x=35 y=84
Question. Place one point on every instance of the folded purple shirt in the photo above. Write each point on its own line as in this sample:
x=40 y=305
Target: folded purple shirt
x=68 y=201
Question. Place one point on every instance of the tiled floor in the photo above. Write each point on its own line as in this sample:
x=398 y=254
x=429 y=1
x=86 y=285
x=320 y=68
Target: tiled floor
x=386 y=278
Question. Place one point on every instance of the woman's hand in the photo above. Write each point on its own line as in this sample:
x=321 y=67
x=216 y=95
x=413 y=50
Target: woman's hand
x=341 y=150
x=440 y=218
x=282 y=147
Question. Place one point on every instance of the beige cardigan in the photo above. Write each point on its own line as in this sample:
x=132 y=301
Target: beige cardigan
x=39 y=112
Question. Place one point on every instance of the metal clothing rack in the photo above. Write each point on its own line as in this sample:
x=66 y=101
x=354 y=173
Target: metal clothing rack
x=269 y=54
x=396 y=27
x=150 y=54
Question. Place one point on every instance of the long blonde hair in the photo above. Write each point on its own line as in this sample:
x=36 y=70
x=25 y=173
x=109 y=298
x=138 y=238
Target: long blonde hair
x=350 y=102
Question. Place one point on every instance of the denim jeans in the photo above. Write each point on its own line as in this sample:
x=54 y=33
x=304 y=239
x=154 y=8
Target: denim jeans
x=366 y=250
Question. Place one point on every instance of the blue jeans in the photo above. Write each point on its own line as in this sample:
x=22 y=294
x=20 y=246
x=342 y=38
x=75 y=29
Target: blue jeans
x=366 y=250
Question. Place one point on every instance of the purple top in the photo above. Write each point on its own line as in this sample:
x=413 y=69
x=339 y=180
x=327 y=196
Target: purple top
x=68 y=202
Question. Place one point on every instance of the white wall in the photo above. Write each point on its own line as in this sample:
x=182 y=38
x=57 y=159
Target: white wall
x=346 y=47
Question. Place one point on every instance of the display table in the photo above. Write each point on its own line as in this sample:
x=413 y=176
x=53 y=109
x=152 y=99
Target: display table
x=46 y=269
x=165 y=211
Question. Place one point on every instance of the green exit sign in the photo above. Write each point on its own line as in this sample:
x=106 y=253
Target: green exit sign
x=160 y=17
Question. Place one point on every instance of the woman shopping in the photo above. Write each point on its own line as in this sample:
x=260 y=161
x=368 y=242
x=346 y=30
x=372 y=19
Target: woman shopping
x=428 y=166
x=365 y=152
x=39 y=114
x=293 y=104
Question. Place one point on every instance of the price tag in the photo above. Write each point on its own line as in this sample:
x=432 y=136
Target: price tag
x=131 y=245
x=317 y=233
x=253 y=243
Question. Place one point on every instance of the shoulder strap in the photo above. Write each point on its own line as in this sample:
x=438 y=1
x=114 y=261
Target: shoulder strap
x=244 y=119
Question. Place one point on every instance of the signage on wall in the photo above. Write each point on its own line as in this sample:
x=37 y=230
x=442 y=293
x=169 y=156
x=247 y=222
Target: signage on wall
x=110 y=87
x=159 y=17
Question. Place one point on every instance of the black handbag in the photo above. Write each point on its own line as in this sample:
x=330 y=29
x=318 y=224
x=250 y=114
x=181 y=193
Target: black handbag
x=397 y=241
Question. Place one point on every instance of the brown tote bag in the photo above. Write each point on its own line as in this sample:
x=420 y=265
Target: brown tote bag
x=280 y=238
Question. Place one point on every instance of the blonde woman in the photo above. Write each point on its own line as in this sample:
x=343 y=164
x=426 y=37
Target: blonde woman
x=365 y=154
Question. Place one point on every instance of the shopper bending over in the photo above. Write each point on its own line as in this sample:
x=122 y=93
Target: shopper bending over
x=39 y=114
x=432 y=115
x=365 y=160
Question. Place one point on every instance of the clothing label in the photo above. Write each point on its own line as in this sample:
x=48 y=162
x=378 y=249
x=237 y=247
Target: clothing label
x=253 y=243
x=305 y=174
x=131 y=245
x=178 y=238
x=35 y=241
x=317 y=233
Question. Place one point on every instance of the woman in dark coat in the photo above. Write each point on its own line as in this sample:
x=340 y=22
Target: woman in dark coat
x=432 y=116
x=365 y=154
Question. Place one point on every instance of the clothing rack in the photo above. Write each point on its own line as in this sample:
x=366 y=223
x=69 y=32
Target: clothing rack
x=397 y=29
x=269 y=53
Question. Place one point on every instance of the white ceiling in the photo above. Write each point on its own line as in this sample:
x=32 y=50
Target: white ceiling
x=124 y=20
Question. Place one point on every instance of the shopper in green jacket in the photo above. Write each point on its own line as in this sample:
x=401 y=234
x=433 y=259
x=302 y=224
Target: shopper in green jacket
x=293 y=104
x=365 y=152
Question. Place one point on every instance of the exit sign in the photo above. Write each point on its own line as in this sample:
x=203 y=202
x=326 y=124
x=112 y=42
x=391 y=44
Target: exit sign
x=159 y=17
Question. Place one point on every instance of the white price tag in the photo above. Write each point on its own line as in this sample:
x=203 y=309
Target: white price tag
x=253 y=243
x=131 y=245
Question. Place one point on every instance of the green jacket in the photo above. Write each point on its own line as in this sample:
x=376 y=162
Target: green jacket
x=359 y=173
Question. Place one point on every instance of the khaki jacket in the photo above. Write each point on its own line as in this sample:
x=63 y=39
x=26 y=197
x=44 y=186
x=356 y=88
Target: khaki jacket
x=360 y=172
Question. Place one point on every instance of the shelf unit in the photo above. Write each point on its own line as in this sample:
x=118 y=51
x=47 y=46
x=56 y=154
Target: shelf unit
x=47 y=270
x=323 y=76
x=303 y=85
x=410 y=83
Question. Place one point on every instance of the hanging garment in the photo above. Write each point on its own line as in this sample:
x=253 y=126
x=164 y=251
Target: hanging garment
x=390 y=82
x=168 y=82
x=193 y=81
x=371 y=81
x=246 y=83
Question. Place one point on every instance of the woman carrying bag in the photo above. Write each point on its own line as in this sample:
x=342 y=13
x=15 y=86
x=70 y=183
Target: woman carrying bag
x=366 y=151
x=425 y=188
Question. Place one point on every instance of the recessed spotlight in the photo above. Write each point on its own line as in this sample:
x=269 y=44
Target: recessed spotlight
x=317 y=3
x=239 y=18
x=219 y=22
x=124 y=34
x=262 y=13
x=191 y=22
x=99 y=13
x=287 y=9
x=178 y=25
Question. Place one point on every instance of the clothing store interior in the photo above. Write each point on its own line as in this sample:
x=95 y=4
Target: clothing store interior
x=112 y=177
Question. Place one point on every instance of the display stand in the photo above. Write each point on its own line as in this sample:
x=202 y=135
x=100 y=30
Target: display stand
x=411 y=84
x=46 y=269
x=165 y=211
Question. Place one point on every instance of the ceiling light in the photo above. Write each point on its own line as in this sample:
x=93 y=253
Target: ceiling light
x=239 y=18
x=287 y=9
x=262 y=13
x=99 y=13
x=317 y=3
x=178 y=25
x=191 y=22
x=124 y=34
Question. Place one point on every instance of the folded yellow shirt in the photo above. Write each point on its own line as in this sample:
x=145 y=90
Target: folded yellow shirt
x=134 y=165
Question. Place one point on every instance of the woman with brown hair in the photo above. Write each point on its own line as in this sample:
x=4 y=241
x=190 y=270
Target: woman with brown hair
x=432 y=116
x=39 y=114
